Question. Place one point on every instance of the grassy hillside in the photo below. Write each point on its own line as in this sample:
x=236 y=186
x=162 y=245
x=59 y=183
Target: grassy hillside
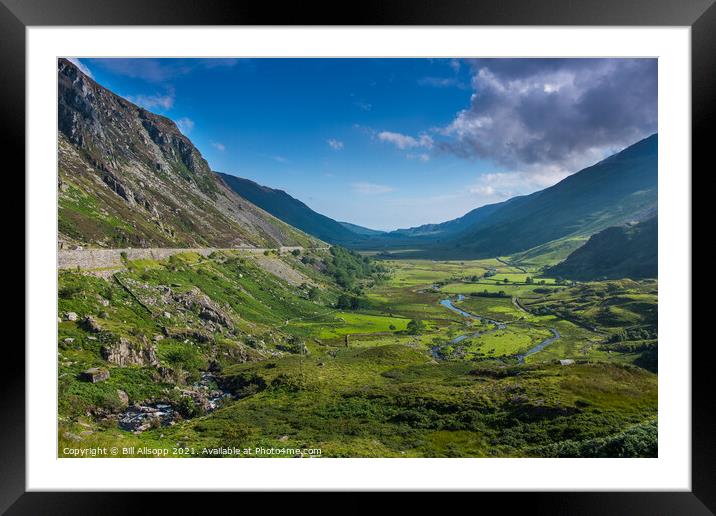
x=618 y=189
x=225 y=351
x=617 y=252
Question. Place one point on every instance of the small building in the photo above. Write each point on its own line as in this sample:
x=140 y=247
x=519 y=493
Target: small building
x=94 y=375
x=566 y=361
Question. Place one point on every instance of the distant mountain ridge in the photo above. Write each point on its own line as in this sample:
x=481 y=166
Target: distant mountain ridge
x=292 y=211
x=130 y=178
x=629 y=251
x=619 y=189
x=360 y=230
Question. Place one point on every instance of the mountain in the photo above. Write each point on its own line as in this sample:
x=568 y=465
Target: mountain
x=128 y=177
x=619 y=189
x=292 y=211
x=360 y=230
x=452 y=227
x=629 y=251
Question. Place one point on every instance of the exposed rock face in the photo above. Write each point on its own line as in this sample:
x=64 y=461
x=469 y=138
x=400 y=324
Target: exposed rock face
x=145 y=183
x=195 y=300
x=125 y=352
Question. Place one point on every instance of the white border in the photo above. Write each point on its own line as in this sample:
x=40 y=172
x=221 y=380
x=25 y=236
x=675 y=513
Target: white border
x=670 y=471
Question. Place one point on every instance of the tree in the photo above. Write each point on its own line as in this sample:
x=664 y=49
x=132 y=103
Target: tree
x=529 y=280
x=296 y=252
x=415 y=326
x=313 y=293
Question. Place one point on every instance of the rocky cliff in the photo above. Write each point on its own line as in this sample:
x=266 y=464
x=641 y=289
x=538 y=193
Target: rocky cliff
x=130 y=178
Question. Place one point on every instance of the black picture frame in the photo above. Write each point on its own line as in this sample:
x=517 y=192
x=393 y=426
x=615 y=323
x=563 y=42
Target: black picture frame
x=700 y=15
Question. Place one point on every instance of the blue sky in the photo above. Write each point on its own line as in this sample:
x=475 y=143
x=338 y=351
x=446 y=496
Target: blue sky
x=389 y=143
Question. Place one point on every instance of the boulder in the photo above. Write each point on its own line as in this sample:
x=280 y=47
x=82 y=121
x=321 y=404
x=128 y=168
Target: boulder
x=123 y=398
x=90 y=324
x=71 y=316
x=94 y=375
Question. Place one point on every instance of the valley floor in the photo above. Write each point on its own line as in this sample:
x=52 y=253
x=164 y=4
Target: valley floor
x=221 y=355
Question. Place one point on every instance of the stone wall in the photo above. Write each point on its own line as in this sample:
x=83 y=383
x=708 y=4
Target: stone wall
x=88 y=259
x=112 y=258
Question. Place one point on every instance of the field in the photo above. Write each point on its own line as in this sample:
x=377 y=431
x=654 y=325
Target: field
x=387 y=371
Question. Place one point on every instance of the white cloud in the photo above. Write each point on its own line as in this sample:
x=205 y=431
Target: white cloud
x=154 y=101
x=280 y=159
x=218 y=146
x=441 y=82
x=160 y=70
x=185 y=125
x=79 y=64
x=370 y=188
x=403 y=141
x=335 y=144
x=423 y=156
x=482 y=190
x=496 y=186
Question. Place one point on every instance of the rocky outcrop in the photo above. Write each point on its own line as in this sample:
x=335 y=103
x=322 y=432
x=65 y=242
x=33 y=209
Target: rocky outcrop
x=196 y=301
x=130 y=165
x=125 y=353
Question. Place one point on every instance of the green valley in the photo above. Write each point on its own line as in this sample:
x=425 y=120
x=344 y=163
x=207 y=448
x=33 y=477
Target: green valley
x=218 y=351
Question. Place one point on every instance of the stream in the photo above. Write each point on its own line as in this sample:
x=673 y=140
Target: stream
x=141 y=416
x=448 y=303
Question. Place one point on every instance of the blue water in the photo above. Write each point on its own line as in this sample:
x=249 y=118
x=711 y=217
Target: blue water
x=447 y=303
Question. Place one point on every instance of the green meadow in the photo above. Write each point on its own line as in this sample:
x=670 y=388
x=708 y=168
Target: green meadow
x=359 y=358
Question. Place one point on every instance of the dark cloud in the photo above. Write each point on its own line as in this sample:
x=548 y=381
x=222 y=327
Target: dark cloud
x=556 y=113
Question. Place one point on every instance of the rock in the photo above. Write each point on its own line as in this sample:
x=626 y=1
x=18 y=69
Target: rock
x=71 y=436
x=126 y=352
x=567 y=361
x=89 y=323
x=283 y=438
x=69 y=340
x=167 y=315
x=104 y=315
x=157 y=338
x=95 y=375
x=123 y=398
x=71 y=316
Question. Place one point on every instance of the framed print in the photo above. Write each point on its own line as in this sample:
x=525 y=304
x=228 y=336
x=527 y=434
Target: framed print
x=424 y=249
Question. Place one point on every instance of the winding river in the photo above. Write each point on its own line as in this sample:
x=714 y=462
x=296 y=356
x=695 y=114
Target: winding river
x=448 y=303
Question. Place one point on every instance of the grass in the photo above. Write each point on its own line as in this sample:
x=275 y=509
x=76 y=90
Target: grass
x=384 y=395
